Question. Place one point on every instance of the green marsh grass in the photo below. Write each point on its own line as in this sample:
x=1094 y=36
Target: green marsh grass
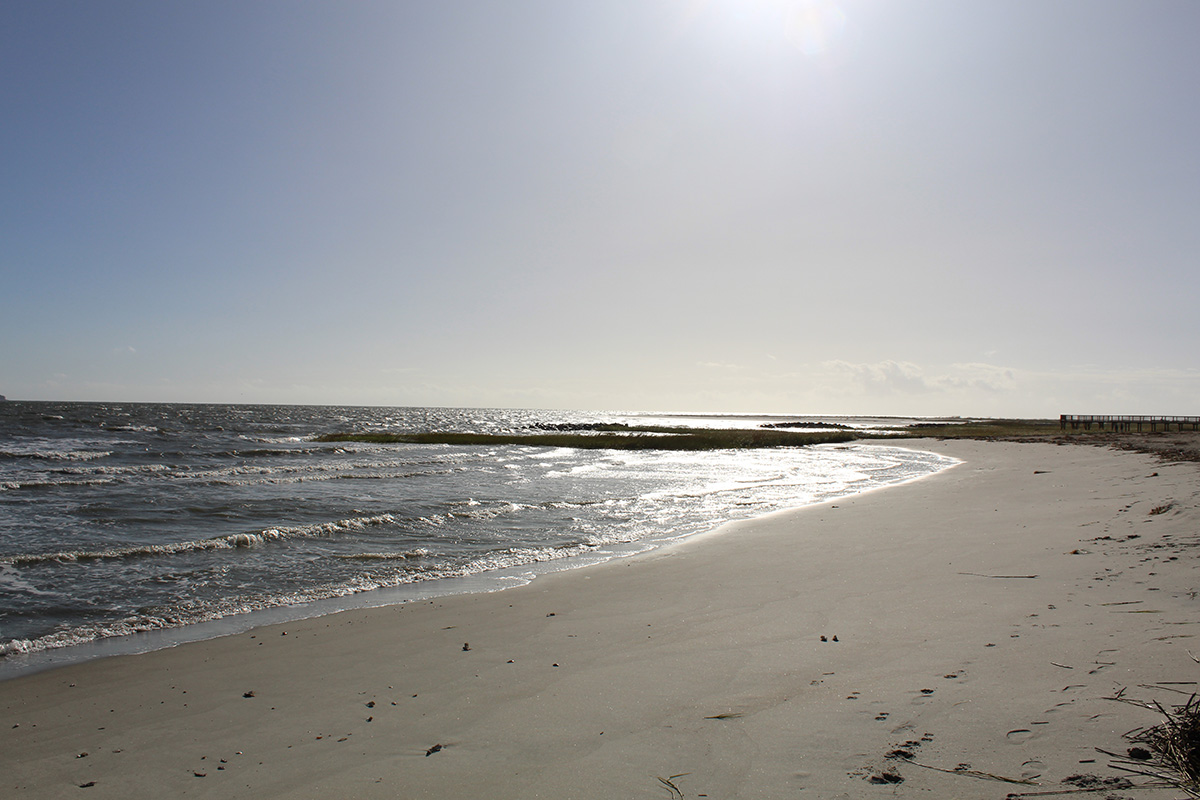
x=616 y=436
x=977 y=429
x=635 y=439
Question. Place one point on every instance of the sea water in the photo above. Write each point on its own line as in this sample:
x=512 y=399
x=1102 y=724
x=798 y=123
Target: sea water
x=122 y=519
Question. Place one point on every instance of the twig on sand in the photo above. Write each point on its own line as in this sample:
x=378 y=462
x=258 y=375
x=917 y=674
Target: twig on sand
x=1165 y=686
x=981 y=575
x=971 y=773
x=1061 y=791
x=670 y=785
x=727 y=715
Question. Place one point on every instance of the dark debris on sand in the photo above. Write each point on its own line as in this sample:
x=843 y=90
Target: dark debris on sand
x=885 y=778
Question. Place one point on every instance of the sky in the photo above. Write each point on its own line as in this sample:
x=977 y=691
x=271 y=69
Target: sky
x=985 y=208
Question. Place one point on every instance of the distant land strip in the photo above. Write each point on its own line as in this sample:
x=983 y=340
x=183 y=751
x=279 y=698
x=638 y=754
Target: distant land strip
x=619 y=436
x=631 y=438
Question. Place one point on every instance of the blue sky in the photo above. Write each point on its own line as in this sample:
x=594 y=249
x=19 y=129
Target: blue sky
x=984 y=208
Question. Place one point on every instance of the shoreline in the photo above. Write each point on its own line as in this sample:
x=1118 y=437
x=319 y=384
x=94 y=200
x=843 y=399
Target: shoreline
x=702 y=659
x=37 y=658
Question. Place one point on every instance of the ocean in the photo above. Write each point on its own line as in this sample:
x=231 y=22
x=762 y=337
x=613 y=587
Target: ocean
x=127 y=527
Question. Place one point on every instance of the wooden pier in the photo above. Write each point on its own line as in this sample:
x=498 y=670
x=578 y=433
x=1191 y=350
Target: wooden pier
x=1119 y=422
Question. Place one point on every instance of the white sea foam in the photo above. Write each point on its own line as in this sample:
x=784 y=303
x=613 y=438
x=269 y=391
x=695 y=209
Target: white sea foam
x=100 y=469
x=234 y=540
x=53 y=455
x=57 y=482
x=408 y=555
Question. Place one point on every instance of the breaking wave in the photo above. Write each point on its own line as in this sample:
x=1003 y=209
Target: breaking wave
x=230 y=542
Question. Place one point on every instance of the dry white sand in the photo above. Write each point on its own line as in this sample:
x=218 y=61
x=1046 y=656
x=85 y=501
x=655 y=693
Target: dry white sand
x=982 y=618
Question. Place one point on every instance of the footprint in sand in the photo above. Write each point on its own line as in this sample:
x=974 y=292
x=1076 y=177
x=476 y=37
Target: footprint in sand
x=1019 y=736
x=922 y=697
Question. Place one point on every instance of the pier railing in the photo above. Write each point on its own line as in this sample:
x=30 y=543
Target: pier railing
x=1127 y=422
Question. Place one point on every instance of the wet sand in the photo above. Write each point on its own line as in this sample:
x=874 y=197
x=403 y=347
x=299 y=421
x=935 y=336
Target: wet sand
x=960 y=636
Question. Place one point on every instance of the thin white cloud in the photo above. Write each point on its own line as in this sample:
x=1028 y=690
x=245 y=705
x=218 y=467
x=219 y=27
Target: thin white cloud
x=885 y=377
x=987 y=377
x=904 y=377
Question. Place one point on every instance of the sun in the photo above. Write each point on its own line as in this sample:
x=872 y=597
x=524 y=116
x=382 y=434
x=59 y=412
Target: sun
x=814 y=26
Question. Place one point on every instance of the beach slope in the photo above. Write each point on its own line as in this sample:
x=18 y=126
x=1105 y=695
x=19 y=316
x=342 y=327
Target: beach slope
x=960 y=636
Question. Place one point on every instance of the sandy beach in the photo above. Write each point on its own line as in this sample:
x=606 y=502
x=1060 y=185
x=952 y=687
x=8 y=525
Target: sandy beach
x=961 y=636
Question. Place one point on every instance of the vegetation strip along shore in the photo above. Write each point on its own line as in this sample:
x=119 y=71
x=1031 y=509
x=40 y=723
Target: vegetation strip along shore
x=616 y=436
x=635 y=439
